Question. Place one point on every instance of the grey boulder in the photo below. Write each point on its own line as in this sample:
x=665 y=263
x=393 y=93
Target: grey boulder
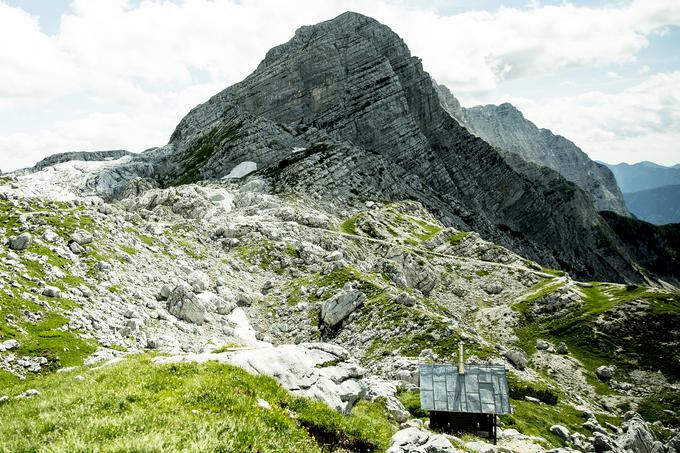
x=51 y=291
x=9 y=344
x=340 y=306
x=184 y=304
x=562 y=348
x=605 y=372
x=76 y=248
x=414 y=439
x=20 y=242
x=560 y=431
x=406 y=300
x=637 y=436
x=82 y=237
x=517 y=358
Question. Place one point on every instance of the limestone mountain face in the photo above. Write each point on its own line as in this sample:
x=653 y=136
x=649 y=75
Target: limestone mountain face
x=352 y=84
x=345 y=113
x=505 y=127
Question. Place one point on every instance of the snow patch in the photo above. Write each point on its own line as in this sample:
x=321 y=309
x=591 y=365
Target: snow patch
x=297 y=150
x=65 y=181
x=241 y=170
x=243 y=330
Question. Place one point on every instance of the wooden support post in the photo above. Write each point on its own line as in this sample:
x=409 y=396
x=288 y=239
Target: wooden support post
x=494 y=429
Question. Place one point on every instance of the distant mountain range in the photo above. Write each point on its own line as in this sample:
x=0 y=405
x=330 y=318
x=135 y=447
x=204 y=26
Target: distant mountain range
x=644 y=175
x=651 y=191
x=660 y=205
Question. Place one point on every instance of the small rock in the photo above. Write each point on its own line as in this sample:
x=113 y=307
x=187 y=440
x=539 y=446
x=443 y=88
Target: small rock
x=20 y=242
x=605 y=372
x=51 y=291
x=164 y=293
x=76 y=248
x=493 y=287
x=4 y=398
x=9 y=344
x=406 y=300
x=50 y=236
x=542 y=344
x=263 y=404
x=184 y=304
x=199 y=281
x=560 y=431
x=409 y=436
x=562 y=348
x=27 y=393
x=335 y=255
x=82 y=237
x=340 y=306
x=224 y=307
x=517 y=358
x=602 y=443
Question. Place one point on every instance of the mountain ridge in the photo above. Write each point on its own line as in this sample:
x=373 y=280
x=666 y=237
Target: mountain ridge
x=659 y=205
x=505 y=126
x=642 y=176
x=352 y=81
x=324 y=88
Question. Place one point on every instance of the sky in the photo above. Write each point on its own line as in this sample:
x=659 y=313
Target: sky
x=120 y=74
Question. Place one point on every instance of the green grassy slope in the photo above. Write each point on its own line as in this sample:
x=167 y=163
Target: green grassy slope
x=136 y=405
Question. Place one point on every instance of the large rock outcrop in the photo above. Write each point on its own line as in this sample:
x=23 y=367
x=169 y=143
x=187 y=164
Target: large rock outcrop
x=321 y=371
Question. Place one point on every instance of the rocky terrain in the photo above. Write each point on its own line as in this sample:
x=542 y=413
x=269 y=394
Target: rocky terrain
x=503 y=126
x=339 y=305
x=274 y=275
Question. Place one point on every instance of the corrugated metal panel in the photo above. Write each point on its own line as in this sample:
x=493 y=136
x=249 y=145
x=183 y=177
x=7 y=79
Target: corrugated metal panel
x=482 y=389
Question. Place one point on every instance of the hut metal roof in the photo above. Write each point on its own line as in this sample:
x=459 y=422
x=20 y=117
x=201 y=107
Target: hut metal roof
x=481 y=389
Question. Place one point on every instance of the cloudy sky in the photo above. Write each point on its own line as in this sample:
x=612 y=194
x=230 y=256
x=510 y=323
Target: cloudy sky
x=109 y=74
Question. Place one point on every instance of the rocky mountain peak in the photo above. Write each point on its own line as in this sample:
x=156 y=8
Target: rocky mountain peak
x=505 y=127
x=343 y=112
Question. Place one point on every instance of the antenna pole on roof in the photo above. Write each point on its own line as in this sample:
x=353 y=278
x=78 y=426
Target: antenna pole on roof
x=461 y=363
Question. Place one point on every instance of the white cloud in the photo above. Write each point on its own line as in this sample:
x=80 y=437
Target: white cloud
x=640 y=123
x=140 y=65
x=33 y=68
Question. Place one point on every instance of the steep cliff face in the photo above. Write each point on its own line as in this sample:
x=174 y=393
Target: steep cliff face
x=352 y=80
x=505 y=127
